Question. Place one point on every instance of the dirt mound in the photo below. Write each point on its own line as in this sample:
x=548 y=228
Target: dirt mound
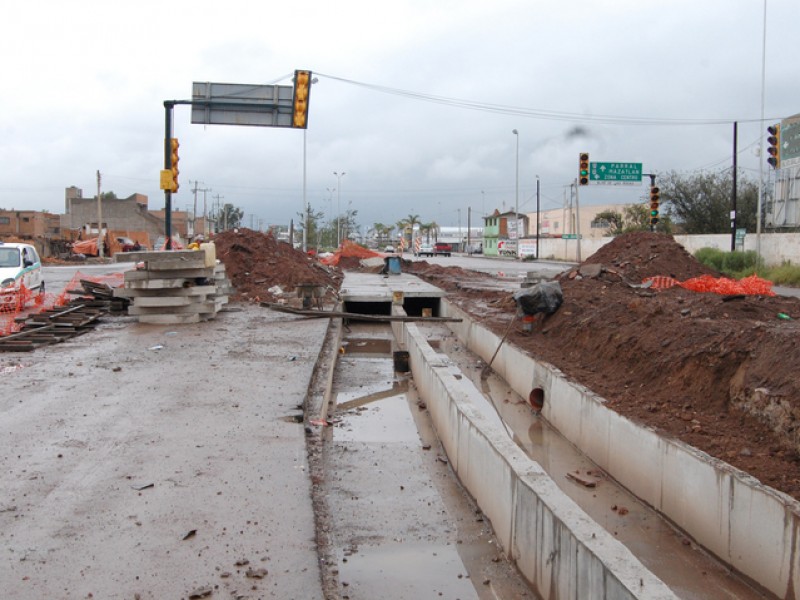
x=714 y=371
x=256 y=262
x=637 y=256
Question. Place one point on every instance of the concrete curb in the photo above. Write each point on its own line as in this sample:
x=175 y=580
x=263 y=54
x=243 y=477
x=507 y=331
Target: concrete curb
x=555 y=545
x=748 y=525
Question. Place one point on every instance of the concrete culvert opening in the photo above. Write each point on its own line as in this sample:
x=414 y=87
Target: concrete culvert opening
x=536 y=399
x=369 y=308
x=421 y=306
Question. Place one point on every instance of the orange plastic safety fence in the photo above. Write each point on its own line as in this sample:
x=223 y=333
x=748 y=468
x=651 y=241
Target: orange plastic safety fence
x=662 y=282
x=349 y=250
x=750 y=286
x=20 y=302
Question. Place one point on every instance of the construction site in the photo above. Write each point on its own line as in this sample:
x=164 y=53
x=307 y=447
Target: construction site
x=251 y=422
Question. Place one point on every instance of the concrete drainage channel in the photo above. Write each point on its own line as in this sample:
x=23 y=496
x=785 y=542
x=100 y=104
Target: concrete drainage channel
x=400 y=526
x=393 y=521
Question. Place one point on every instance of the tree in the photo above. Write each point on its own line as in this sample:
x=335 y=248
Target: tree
x=610 y=219
x=311 y=220
x=230 y=217
x=427 y=229
x=702 y=202
x=382 y=232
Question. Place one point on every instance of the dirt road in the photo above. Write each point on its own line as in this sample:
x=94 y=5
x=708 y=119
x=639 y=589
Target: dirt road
x=154 y=462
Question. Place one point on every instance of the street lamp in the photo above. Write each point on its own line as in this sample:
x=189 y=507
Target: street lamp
x=330 y=210
x=516 y=201
x=338 y=206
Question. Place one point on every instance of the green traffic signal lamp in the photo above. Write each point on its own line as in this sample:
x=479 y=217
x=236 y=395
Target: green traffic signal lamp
x=655 y=199
x=583 y=168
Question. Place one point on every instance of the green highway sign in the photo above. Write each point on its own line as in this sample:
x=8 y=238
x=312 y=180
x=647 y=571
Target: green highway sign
x=615 y=173
x=790 y=139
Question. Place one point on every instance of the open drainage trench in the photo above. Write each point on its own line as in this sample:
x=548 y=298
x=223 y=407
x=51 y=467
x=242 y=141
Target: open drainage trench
x=404 y=527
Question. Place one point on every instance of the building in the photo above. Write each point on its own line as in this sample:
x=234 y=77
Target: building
x=124 y=216
x=569 y=221
x=501 y=232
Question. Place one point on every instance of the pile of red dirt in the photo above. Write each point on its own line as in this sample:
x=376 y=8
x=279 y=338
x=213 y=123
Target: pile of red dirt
x=715 y=371
x=262 y=269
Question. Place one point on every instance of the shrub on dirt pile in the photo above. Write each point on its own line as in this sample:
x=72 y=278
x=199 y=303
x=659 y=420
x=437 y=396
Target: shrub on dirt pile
x=255 y=262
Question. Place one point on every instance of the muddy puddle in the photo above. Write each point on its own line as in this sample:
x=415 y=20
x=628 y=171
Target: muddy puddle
x=665 y=551
x=402 y=525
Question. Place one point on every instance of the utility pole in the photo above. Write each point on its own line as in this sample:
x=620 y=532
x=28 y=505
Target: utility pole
x=205 y=213
x=99 y=219
x=537 y=217
x=469 y=230
x=217 y=213
x=733 y=195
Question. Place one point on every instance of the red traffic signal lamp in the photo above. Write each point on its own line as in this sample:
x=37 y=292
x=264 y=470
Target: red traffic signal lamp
x=302 y=92
x=174 y=158
x=583 y=168
x=774 y=148
x=655 y=199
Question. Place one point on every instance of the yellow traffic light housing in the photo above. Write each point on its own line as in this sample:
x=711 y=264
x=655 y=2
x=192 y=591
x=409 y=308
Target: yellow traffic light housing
x=774 y=148
x=302 y=92
x=174 y=158
x=655 y=199
x=583 y=168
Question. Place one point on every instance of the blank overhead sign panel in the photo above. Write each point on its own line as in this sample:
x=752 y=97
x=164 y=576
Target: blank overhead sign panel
x=240 y=104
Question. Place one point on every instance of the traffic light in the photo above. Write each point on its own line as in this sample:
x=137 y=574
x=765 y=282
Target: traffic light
x=174 y=158
x=774 y=149
x=655 y=198
x=583 y=168
x=302 y=91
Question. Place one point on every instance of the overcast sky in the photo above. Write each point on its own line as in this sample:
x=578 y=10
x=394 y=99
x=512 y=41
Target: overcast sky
x=84 y=84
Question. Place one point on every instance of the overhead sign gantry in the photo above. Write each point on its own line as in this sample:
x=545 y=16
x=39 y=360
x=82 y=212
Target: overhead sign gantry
x=233 y=104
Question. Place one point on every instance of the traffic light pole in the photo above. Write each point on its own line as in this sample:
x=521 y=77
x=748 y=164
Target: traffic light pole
x=652 y=177
x=168 y=106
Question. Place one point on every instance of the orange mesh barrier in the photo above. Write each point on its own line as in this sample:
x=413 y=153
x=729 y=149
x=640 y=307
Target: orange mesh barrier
x=662 y=282
x=750 y=286
x=349 y=249
x=19 y=304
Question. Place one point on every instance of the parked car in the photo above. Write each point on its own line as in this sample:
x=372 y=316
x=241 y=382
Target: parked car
x=389 y=248
x=425 y=250
x=20 y=267
x=442 y=249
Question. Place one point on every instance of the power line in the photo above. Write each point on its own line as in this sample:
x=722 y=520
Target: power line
x=534 y=113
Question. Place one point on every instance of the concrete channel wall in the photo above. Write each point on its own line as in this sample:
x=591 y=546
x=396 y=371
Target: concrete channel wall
x=555 y=545
x=752 y=527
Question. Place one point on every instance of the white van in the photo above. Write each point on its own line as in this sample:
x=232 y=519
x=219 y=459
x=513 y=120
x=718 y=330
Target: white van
x=19 y=266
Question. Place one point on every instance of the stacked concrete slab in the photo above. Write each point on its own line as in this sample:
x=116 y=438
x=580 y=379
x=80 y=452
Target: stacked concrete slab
x=174 y=287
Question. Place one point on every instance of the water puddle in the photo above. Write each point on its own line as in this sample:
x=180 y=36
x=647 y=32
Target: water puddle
x=406 y=570
x=388 y=421
x=403 y=526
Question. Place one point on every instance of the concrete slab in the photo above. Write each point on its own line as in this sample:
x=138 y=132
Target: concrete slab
x=373 y=287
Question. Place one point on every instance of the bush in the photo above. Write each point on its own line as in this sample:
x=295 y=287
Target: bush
x=712 y=257
x=738 y=262
x=786 y=274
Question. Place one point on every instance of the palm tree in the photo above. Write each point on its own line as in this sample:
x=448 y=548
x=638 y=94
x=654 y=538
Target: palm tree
x=381 y=232
x=428 y=228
